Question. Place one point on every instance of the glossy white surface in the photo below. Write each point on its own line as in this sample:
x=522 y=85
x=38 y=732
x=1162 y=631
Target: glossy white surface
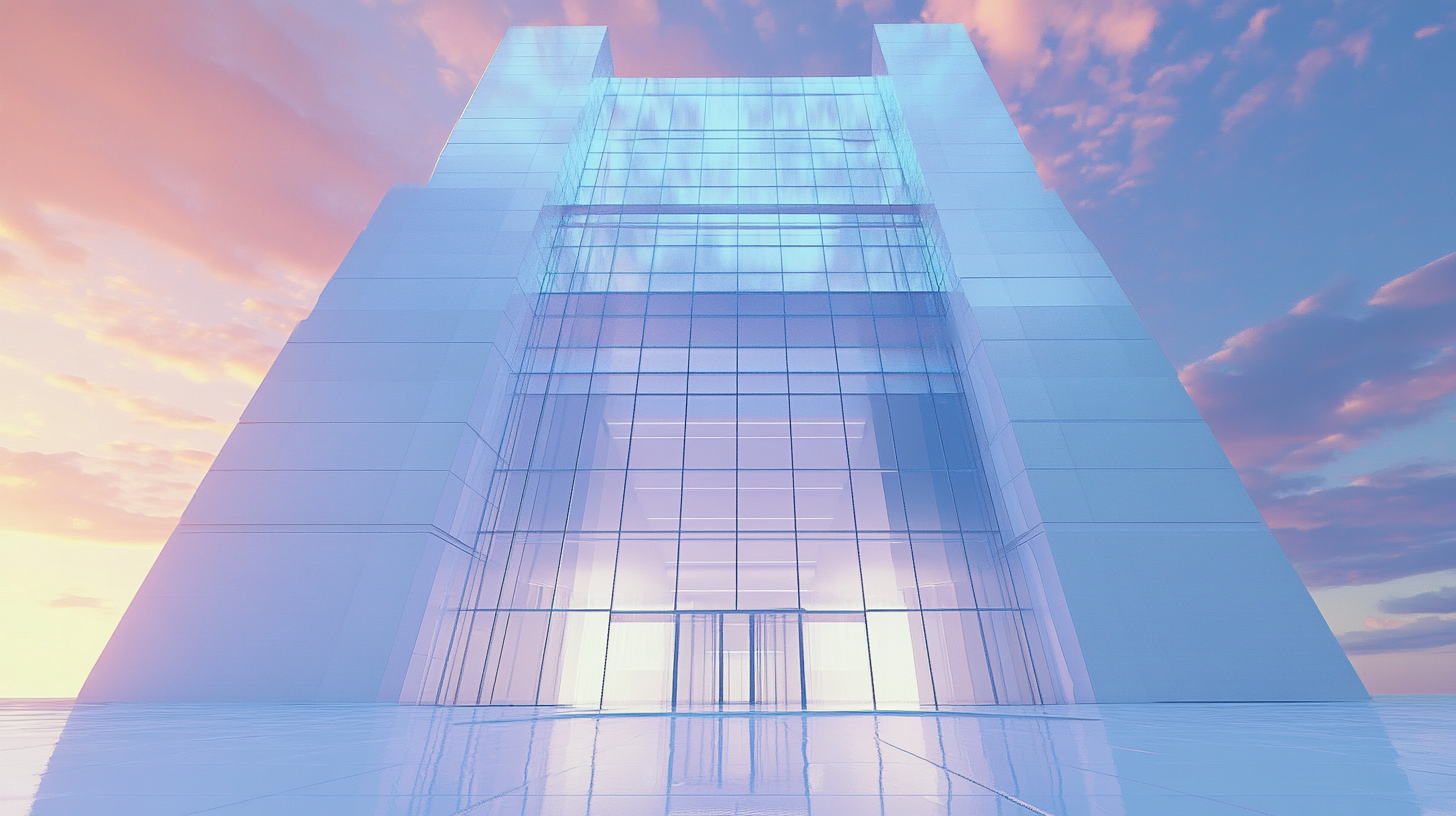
x=1390 y=756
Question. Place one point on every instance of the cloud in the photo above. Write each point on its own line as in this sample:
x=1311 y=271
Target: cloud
x=212 y=129
x=70 y=601
x=1431 y=30
x=1297 y=82
x=1250 y=101
x=1253 y=33
x=463 y=35
x=764 y=24
x=1422 y=633
x=1357 y=47
x=1387 y=525
x=145 y=409
x=201 y=352
x=1289 y=394
x=1308 y=70
x=56 y=494
x=1018 y=33
x=1095 y=87
x=1439 y=602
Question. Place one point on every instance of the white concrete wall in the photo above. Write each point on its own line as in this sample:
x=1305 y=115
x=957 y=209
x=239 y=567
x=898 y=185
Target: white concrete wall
x=1158 y=568
x=322 y=548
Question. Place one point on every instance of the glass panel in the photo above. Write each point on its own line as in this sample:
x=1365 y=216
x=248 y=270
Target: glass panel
x=588 y=567
x=836 y=661
x=596 y=500
x=740 y=359
x=898 y=657
x=889 y=573
x=646 y=572
x=941 y=572
x=823 y=500
x=709 y=500
x=639 y=664
x=765 y=500
x=829 y=573
x=958 y=659
x=706 y=573
x=535 y=584
x=576 y=655
x=767 y=573
x=513 y=668
x=653 y=500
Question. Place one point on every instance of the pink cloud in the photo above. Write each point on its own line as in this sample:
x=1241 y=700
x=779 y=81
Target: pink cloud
x=1330 y=375
x=1389 y=525
x=230 y=148
x=1423 y=633
x=56 y=494
x=1308 y=70
x=1015 y=34
x=233 y=350
x=1253 y=33
x=764 y=24
x=1357 y=46
x=1093 y=65
x=1289 y=394
x=1438 y=601
x=73 y=601
x=463 y=37
x=145 y=409
x=1250 y=101
x=1434 y=283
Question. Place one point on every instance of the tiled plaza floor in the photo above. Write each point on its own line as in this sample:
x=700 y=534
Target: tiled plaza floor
x=1391 y=756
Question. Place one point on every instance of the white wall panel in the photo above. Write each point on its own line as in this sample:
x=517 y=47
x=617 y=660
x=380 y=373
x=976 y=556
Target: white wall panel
x=1163 y=577
x=313 y=562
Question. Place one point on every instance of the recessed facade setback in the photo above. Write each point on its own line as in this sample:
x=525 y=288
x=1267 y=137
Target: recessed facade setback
x=677 y=394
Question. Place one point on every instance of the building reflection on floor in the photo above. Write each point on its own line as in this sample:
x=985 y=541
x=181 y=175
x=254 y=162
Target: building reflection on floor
x=1393 y=756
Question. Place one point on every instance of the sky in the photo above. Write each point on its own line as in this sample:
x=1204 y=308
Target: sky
x=1273 y=183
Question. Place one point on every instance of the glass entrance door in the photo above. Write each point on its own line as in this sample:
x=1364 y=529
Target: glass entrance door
x=728 y=660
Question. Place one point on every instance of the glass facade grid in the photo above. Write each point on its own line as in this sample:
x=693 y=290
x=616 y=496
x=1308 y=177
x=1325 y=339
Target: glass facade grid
x=740 y=470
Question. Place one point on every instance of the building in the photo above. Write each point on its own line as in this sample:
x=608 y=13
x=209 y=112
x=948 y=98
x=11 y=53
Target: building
x=691 y=394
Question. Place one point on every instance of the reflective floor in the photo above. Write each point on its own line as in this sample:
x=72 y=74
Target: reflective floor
x=1396 y=755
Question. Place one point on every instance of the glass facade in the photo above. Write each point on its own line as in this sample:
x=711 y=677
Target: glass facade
x=740 y=469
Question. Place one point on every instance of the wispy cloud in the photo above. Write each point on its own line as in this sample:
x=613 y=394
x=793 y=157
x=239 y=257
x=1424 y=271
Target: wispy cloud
x=1090 y=96
x=57 y=494
x=145 y=409
x=1385 y=525
x=1357 y=46
x=1248 y=102
x=1289 y=394
x=71 y=601
x=1021 y=34
x=1436 y=602
x=1444 y=26
x=201 y=352
x=1253 y=33
x=1420 y=634
x=234 y=149
x=1308 y=70
x=1298 y=81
